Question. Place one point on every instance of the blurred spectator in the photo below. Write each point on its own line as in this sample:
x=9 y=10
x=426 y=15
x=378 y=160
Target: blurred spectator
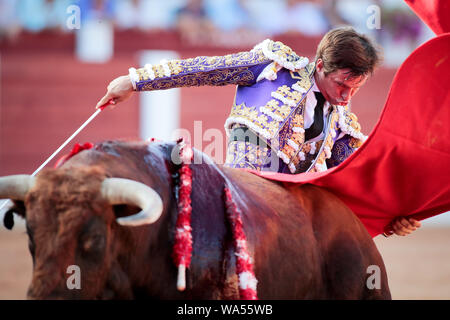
x=267 y=16
x=32 y=14
x=226 y=15
x=214 y=22
x=402 y=24
x=402 y=32
x=57 y=14
x=126 y=14
x=95 y=39
x=307 y=17
x=330 y=10
x=158 y=14
x=231 y=21
x=355 y=12
x=9 y=26
x=193 y=24
x=96 y=9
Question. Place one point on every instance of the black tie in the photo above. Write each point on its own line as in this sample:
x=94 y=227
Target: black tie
x=317 y=126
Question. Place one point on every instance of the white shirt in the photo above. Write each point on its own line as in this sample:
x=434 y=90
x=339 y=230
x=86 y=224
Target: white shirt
x=311 y=103
x=308 y=119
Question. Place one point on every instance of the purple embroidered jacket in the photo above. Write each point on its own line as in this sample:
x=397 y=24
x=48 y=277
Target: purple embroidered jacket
x=272 y=84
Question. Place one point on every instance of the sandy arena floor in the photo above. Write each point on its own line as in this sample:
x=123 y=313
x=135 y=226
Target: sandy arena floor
x=418 y=266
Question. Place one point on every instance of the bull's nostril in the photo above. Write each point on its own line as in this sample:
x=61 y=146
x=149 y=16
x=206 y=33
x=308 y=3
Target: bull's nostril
x=33 y=297
x=51 y=296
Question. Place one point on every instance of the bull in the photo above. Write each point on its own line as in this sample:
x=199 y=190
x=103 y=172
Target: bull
x=112 y=210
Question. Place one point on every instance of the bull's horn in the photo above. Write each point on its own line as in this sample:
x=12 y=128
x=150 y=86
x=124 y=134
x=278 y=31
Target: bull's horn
x=125 y=191
x=16 y=187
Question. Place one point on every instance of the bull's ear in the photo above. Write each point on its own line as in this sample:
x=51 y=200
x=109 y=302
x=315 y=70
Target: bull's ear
x=8 y=219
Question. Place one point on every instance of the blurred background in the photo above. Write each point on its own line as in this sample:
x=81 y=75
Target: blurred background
x=57 y=58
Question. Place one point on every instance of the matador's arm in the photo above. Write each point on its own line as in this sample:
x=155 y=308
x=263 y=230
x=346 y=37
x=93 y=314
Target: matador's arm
x=243 y=68
x=239 y=69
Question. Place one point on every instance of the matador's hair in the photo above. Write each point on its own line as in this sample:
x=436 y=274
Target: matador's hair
x=344 y=48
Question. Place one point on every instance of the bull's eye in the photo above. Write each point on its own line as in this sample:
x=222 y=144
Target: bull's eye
x=94 y=244
x=92 y=240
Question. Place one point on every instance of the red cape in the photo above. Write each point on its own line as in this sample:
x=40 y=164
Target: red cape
x=435 y=13
x=403 y=169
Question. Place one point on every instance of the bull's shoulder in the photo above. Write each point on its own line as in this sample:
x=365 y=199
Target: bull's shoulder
x=246 y=180
x=328 y=213
x=265 y=197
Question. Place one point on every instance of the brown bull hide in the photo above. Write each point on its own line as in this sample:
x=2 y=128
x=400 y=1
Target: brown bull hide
x=305 y=242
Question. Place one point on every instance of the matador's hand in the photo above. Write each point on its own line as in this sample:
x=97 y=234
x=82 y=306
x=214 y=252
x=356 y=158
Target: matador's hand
x=403 y=226
x=120 y=89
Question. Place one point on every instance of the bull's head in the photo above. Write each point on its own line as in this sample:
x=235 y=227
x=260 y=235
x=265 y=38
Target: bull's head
x=71 y=220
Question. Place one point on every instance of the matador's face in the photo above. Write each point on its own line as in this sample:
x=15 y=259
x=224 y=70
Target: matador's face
x=338 y=87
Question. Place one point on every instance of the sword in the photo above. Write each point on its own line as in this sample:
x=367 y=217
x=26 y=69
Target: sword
x=100 y=109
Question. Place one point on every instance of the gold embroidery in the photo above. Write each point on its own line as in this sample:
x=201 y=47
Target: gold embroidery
x=295 y=95
x=293 y=76
x=351 y=121
x=304 y=82
x=309 y=71
x=284 y=90
x=328 y=141
x=205 y=64
x=355 y=143
x=307 y=148
x=213 y=78
x=353 y=116
x=158 y=70
x=334 y=125
x=242 y=154
x=272 y=104
x=283 y=52
x=289 y=151
x=175 y=67
x=142 y=73
x=283 y=111
x=298 y=120
x=298 y=138
x=251 y=115
x=354 y=122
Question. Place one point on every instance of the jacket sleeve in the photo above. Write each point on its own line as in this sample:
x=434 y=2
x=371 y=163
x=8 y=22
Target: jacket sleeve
x=243 y=68
x=239 y=69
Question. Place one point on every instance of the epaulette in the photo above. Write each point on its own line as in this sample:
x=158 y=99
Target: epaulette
x=281 y=54
x=348 y=123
